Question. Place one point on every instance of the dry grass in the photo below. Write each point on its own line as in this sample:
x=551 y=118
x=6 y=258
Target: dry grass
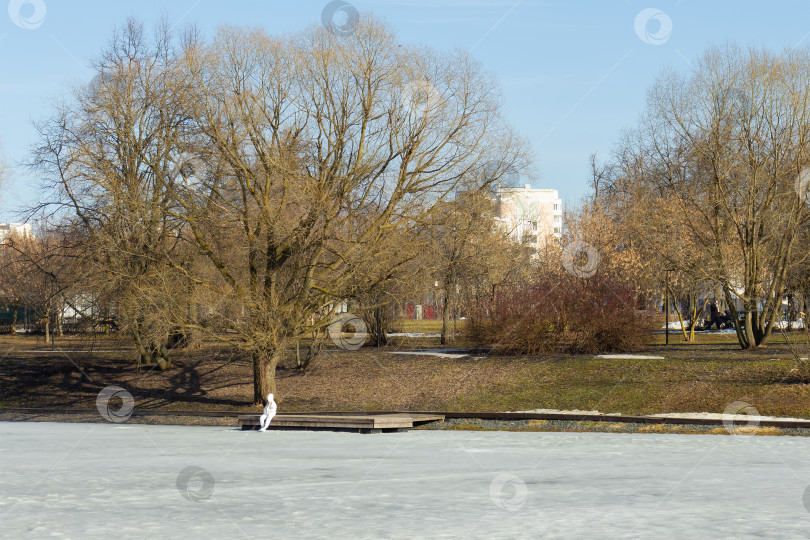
x=661 y=428
x=705 y=376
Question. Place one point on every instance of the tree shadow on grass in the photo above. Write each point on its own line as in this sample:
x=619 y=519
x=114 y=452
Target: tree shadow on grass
x=74 y=381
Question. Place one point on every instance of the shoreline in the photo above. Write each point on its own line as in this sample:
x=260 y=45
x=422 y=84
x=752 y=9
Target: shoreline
x=604 y=425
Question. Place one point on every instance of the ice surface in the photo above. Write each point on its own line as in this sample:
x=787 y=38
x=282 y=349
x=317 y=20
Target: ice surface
x=121 y=481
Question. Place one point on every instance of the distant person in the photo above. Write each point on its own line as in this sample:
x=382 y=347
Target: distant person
x=269 y=413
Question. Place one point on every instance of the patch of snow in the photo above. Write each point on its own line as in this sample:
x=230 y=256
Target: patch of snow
x=675 y=326
x=432 y=353
x=69 y=351
x=412 y=335
x=560 y=411
x=629 y=357
x=703 y=332
x=697 y=415
x=724 y=416
x=795 y=325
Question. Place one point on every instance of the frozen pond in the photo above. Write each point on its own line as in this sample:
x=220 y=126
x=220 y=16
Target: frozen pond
x=137 y=481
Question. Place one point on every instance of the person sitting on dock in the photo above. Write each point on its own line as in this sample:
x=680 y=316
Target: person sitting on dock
x=269 y=413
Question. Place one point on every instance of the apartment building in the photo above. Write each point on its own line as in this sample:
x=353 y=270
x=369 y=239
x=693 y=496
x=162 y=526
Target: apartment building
x=19 y=230
x=530 y=215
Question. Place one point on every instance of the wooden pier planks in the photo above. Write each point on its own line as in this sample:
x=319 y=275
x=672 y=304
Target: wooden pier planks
x=364 y=423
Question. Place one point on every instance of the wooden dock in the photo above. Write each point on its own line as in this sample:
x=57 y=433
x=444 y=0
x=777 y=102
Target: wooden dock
x=358 y=422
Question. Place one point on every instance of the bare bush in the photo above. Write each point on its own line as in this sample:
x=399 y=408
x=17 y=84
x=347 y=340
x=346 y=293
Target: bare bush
x=567 y=314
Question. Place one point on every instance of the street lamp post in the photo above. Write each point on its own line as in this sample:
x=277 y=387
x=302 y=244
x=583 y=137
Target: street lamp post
x=666 y=309
x=378 y=321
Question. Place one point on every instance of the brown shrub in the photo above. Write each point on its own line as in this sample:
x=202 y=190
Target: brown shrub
x=575 y=315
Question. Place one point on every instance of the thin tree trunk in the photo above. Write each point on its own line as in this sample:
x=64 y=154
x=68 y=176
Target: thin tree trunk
x=143 y=354
x=695 y=311
x=750 y=323
x=446 y=306
x=742 y=336
x=678 y=311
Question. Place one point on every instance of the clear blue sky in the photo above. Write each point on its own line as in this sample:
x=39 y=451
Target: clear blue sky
x=573 y=73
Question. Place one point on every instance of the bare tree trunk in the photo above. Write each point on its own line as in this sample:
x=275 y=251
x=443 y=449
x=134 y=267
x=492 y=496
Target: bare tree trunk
x=264 y=374
x=695 y=311
x=678 y=311
x=446 y=307
x=742 y=335
x=150 y=351
x=143 y=356
x=750 y=323
x=313 y=350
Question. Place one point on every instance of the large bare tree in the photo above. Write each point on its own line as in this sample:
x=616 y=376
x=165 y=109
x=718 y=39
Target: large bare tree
x=277 y=175
x=326 y=156
x=726 y=148
x=109 y=157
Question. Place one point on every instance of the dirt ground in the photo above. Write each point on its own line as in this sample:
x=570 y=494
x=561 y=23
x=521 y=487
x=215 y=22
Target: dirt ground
x=219 y=378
